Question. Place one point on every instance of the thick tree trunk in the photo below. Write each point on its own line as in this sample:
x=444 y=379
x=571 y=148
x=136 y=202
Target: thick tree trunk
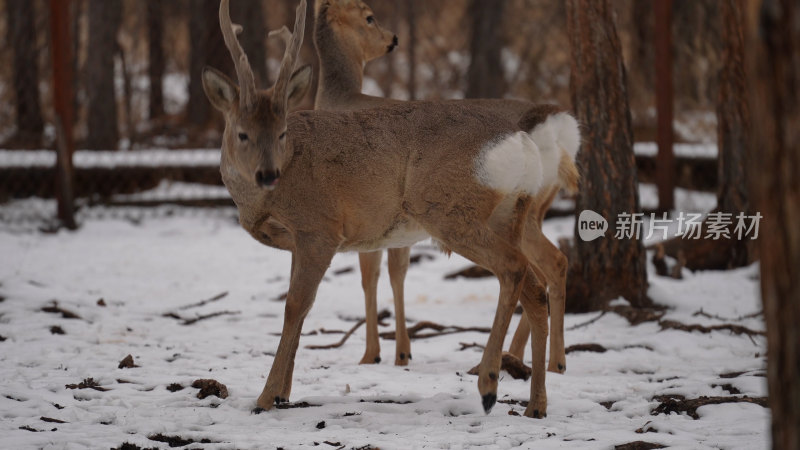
x=155 y=67
x=733 y=119
x=22 y=38
x=773 y=49
x=605 y=268
x=208 y=49
x=733 y=124
x=104 y=21
x=485 y=76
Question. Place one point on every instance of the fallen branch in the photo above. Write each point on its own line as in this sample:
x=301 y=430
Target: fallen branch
x=587 y=323
x=596 y=348
x=511 y=364
x=55 y=309
x=205 y=302
x=638 y=316
x=381 y=316
x=465 y=346
x=470 y=272
x=638 y=445
x=441 y=330
x=735 y=329
x=208 y=316
x=723 y=319
x=678 y=404
x=87 y=383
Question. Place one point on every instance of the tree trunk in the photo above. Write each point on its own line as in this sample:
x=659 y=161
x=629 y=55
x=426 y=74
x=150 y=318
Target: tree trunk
x=250 y=14
x=411 y=18
x=733 y=124
x=605 y=268
x=22 y=38
x=207 y=49
x=773 y=50
x=485 y=76
x=155 y=67
x=104 y=21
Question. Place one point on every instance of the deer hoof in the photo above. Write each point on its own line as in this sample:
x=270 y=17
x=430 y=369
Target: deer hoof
x=488 y=402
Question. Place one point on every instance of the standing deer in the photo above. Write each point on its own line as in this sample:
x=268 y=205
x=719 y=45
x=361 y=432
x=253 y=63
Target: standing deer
x=317 y=183
x=347 y=36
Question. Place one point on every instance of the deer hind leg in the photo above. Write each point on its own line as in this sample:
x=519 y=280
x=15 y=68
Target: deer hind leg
x=517 y=347
x=398 y=267
x=473 y=238
x=517 y=229
x=534 y=302
x=370 y=271
x=553 y=264
x=309 y=263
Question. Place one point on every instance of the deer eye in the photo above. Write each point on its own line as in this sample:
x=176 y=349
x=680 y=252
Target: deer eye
x=243 y=137
x=370 y=20
x=282 y=136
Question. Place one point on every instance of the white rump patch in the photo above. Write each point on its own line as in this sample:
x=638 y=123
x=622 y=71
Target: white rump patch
x=559 y=132
x=511 y=164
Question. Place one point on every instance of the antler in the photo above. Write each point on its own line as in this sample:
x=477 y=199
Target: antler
x=247 y=84
x=283 y=34
x=280 y=95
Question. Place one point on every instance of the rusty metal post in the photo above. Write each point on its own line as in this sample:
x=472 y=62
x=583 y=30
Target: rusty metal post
x=665 y=161
x=62 y=100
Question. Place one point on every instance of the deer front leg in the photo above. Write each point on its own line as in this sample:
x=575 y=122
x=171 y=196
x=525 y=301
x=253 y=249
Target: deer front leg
x=309 y=263
x=398 y=267
x=370 y=264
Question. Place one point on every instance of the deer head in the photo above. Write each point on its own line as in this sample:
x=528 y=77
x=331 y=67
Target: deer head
x=355 y=25
x=255 y=120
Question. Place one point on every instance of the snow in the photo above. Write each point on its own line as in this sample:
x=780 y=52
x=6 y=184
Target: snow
x=704 y=151
x=87 y=159
x=143 y=269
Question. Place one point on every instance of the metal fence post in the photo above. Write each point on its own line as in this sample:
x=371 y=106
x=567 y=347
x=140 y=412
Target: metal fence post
x=62 y=99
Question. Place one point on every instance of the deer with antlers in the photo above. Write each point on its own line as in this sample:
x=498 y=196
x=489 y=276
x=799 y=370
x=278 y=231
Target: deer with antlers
x=347 y=36
x=317 y=183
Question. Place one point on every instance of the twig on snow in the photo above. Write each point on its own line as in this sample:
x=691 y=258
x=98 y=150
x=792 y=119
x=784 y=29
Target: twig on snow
x=381 y=316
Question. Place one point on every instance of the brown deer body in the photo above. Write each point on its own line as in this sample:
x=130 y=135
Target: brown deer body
x=318 y=183
x=347 y=36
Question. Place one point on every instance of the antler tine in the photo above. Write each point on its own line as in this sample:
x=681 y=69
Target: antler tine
x=244 y=72
x=294 y=42
x=283 y=34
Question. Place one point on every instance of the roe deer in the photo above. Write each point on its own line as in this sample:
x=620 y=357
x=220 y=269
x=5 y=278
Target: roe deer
x=347 y=36
x=317 y=183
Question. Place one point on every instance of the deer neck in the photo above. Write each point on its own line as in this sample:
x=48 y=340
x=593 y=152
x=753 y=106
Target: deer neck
x=341 y=69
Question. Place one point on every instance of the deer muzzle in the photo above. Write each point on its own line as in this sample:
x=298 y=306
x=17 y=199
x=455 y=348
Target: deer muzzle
x=393 y=45
x=267 y=178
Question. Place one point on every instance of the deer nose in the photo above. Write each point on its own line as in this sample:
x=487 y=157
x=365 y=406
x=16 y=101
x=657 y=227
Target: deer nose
x=267 y=178
x=394 y=44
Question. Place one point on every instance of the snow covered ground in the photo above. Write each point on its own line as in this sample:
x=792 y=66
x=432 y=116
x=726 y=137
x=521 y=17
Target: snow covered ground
x=164 y=264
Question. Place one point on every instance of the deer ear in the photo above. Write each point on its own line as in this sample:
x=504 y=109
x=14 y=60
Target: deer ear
x=219 y=89
x=299 y=84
